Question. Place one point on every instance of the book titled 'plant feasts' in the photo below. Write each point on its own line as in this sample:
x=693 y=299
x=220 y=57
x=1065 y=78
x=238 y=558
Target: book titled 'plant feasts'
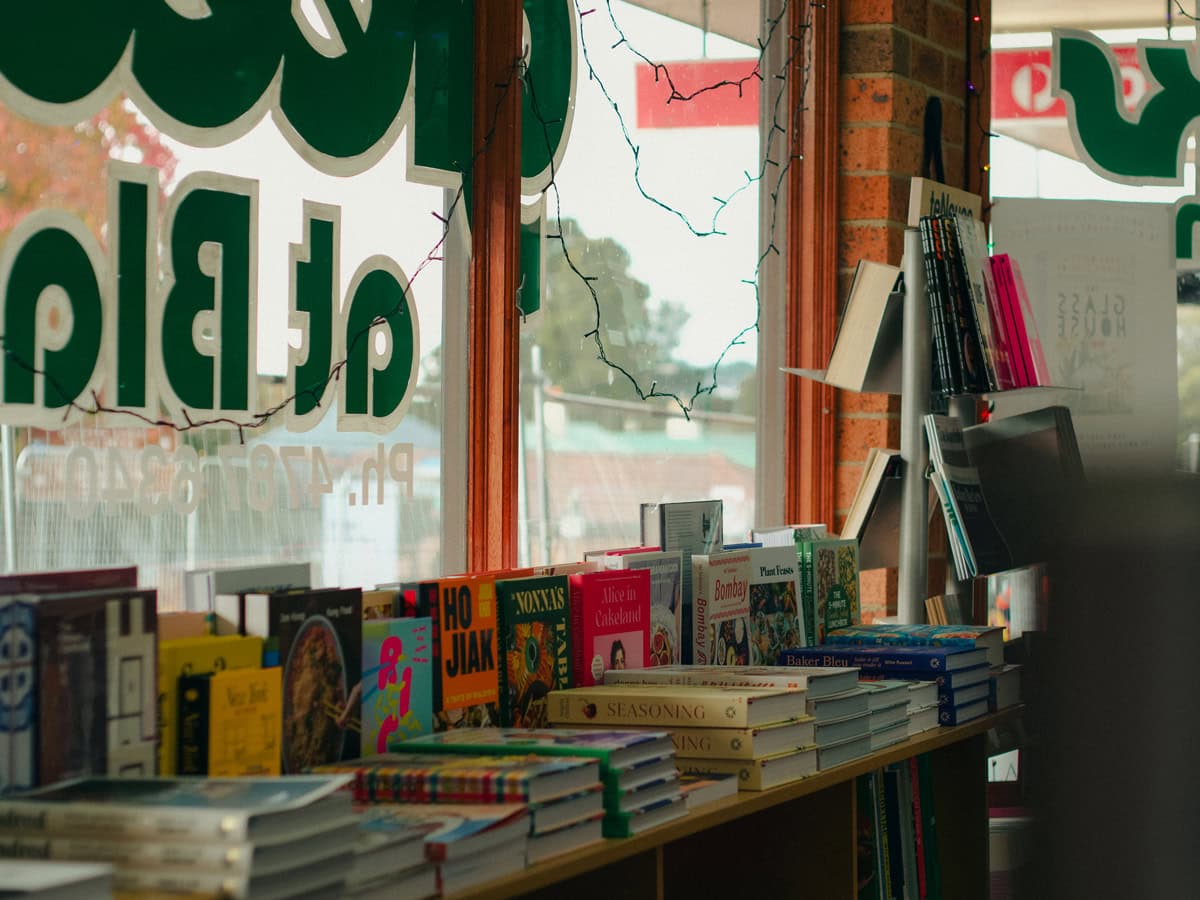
x=674 y=705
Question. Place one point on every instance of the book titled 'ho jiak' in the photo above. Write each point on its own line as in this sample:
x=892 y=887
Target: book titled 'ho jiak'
x=610 y=622
x=397 y=685
x=466 y=683
x=535 y=628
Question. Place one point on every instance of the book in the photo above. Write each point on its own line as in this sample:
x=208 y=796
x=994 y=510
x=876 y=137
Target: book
x=666 y=598
x=320 y=650
x=978 y=546
x=889 y=736
x=456 y=831
x=744 y=743
x=922 y=719
x=815 y=681
x=757 y=774
x=977 y=376
x=466 y=679
x=564 y=811
x=631 y=779
x=185 y=656
x=721 y=608
x=702 y=788
x=893 y=832
x=66 y=581
x=921 y=695
x=462 y=778
x=961 y=696
x=570 y=837
x=882 y=837
x=885 y=693
x=645 y=795
x=861 y=330
x=96 y=697
x=986 y=637
x=381 y=604
x=927 y=197
x=623 y=825
x=955 y=680
x=931 y=856
x=971 y=239
x=255 y=810
x=960 y=715
x=946 y=378
x=480 y=868
x=827 y=732
x=675 y=705
x=535 y=646
x=1005 y=685
x=873 y=519
x=776 y=620
x=1007 y=273
x=843 y=752
x=689 y=526
x=397 y=681
x=868 y=876
x=838 y=706
x=174 y=626
x=55 y=880
x=833 y=585
x=610 y=623
x=201 y=586
x=230 y=722
x=896 y=661
x=616 y=750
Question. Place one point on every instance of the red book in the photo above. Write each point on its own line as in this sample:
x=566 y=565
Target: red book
x=610 y=623
x=1002 y=349
x=1041 y=371
x=918 y=828
x=1021 y=356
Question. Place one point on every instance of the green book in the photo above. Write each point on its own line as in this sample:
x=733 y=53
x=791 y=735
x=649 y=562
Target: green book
x=833 y=574
x=535 y=646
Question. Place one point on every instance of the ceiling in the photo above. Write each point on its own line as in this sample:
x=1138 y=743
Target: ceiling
x=738 y=19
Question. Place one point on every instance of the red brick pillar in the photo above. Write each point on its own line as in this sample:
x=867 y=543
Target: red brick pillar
x=895 y=55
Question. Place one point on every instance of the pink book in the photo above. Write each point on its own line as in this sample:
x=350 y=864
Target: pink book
x=610 y=623
x=1041 y=371
x=1019 y=354
x=1001 y=344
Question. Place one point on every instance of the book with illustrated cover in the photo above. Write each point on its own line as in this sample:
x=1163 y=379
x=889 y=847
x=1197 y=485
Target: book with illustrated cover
x=976 y=365
x=459 y=830
x=895 y=661
x=466 y=778
x=616 y=750
x=320 y=650
x=776 y=618
x=971 y=239
x=535 y=646
x=610 y=622
x=397 y=681
x=757 y=774
x=258 y=810
x=721 y=615
x=381 y=603
x=201 y=586
x=466 y=680
x=986 y=637
x=96 y=683
x=830 y=573
x=193 y=656
x=947 y=377
x=815 y=681
x=674 y=705
x=666 y=598
x=230 y=723
x=690 y=526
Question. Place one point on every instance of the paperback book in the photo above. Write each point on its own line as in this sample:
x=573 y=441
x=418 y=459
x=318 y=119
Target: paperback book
x=397 y=681
x=721 y=618
x=610 y=623
x=466 y=682
x=666 y=598
x=535 y=625
x=776 y=621
x=230 y=723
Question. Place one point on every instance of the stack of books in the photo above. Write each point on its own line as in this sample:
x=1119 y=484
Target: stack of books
x=888 y=701
x=1005 y=686
x=44 y=880
x=464 y=845
x=389 y=860
x=562 y=795
x=640 y=784
x=922 y=707
x=843 y=724
x=269 y=838
x=961 y=673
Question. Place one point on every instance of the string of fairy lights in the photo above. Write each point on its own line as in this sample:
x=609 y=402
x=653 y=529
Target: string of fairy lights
x=777 y=157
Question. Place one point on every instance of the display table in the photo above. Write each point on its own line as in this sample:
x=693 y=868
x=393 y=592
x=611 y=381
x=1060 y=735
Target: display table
x=797 y=840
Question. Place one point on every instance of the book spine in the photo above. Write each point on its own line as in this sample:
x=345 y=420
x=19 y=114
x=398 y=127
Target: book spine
x=914 y=784
x=1037 y=355
x=700 y=611
x=882 y=838
x=1002 y=342
x=504 y=619
x=1020 y=355
x=943 y=380
x=933 y=871
x=890 y=660
x=959 y=369
x=110 y=821
x=891 y=798
x=577 y=636
x=808 y=593
x=233 y=859
x=869 y=876
x=171 y=881
x=429 y=605
x=194 y=724
x=588 y=708
x=971 y=240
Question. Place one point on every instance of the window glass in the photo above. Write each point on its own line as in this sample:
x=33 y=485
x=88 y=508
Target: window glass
x=657 y=205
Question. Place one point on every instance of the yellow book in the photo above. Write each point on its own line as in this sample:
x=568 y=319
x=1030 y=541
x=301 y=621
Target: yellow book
x=243 y=711
x=194 y=655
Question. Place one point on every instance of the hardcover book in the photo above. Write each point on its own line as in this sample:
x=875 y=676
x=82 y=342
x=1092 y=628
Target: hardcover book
x=985 y=637
x=194 y=656
x=18 y=699
x=744 y=743
x=230 y=723
x=776 y=620
x=896 y=662
x=815 y=681
x=201 y=586
x=610 y=626
x=466 y=681
x=673 y=706
x=460 y=830
x=690 y=526
x=666 y=598
x=757 y=774
x=320 y=648
x=535 y=646
x=721 y=616
x=397 y=681
x=96 y=683
x=833 y=576
x=960 y=715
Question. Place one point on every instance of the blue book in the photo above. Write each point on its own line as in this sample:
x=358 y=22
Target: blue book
x=896 y=662
x=957 y=679
x=958 y=715
x=960 y=696
x=397 y=685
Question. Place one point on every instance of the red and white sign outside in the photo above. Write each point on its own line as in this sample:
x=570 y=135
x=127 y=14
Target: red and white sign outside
x=1021 y=83
x=732 y=100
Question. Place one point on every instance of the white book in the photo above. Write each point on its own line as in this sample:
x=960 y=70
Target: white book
x=721 y=608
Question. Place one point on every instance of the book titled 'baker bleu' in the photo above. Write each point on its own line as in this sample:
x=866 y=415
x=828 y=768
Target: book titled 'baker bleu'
x=893 y=660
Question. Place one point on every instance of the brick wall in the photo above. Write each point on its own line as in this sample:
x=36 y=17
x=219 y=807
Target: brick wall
x=895 y=54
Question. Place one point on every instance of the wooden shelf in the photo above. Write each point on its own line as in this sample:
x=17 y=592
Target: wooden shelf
x=641 y=858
